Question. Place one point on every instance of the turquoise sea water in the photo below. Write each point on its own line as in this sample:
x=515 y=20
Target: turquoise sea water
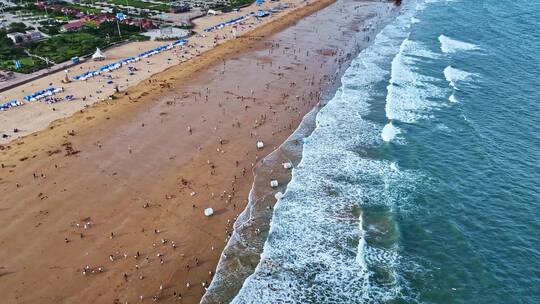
x=421 y=181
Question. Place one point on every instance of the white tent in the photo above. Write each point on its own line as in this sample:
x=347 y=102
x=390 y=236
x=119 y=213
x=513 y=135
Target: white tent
x=98 y=55
x=213 y=12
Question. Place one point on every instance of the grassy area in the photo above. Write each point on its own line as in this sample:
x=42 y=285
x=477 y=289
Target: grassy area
x=83 y=9
x=62 y=47
x=29 y=64
x=59 y=48
x=234 y=4
x=23 y=1
x=50 y=30
x=138 y=4
x=64 y=18
x=8 y=52
x=16 y=27
x=33 y=11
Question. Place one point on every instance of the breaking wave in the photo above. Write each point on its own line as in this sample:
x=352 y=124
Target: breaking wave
x=454 y=75
x=410 y=93
x=333 y=236
x=389 y=132
x=449 y=45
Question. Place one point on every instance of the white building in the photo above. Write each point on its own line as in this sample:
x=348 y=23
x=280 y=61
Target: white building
x=19 y=38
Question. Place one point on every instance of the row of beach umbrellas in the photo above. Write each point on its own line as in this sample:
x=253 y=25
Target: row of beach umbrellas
x=238 y=19
x=43 y=93
x=223 y=24
x=118 y=64
x=10 y=104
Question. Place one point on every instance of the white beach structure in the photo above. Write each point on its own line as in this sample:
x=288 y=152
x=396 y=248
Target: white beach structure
x=98 y=55
x=213 y=12
x=208 y=212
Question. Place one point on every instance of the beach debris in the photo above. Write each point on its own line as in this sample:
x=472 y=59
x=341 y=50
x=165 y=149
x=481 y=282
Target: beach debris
x=69 y=147
x=208 y=212
x=287 y=165
x=279 y=195
x=193 y=193
x=260 y=144
x=274 y=183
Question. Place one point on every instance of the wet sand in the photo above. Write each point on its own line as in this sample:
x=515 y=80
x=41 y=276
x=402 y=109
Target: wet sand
x=142 y=168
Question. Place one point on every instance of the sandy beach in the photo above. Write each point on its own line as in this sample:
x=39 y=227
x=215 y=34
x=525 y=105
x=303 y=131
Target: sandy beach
x=106 y=203
x=35 y=116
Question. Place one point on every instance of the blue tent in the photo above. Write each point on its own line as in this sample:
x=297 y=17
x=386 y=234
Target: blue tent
x=262 y=14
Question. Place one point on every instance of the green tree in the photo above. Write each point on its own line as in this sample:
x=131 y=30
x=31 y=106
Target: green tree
x=16 y=27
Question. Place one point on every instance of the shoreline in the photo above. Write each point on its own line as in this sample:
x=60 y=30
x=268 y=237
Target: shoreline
x=251 y=228
x=108 y=144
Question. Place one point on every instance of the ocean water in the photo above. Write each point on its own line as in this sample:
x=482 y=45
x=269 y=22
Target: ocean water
x=421 y=180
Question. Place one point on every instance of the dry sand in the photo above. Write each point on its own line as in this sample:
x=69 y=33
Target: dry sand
x=34 y=116
x=132 y=166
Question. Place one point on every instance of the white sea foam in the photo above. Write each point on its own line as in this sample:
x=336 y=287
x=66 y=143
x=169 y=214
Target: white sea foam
x=318 y=250
x=454 y=75
x=410 y=92
x=389 y=132
x=360 y=253
x=453 y=99
x=449 y=45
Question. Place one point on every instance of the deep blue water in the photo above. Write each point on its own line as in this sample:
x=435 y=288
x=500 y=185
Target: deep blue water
x=421 y=182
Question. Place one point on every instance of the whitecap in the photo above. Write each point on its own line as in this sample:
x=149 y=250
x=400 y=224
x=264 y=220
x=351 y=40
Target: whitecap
x=360 y=253
x=453 y=99
x=454 y=75
x=410 y=92
x=389 y=132
x=449 y=45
